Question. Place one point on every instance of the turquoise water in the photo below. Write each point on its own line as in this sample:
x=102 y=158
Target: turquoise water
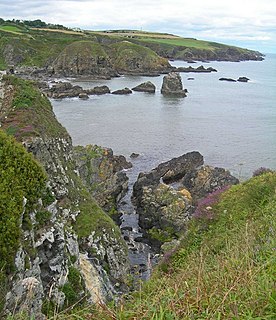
x=232 y=124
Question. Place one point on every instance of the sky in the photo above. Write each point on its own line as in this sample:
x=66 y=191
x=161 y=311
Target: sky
x=247 y=23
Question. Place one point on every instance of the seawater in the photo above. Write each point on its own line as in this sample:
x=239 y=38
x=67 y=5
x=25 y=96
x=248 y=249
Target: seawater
x=232 y=124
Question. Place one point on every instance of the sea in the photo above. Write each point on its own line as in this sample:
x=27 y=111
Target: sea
x=232 y=124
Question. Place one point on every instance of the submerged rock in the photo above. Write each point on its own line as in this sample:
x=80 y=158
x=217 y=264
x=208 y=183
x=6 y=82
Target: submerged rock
x=145 y=87
x=243 y=79
x=172 y=85
x=227 y=79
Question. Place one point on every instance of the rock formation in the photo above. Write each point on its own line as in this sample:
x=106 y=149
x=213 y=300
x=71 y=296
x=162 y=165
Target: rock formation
x=83 y=58
x=166 y=196
x=148 y=87
x=172 y=85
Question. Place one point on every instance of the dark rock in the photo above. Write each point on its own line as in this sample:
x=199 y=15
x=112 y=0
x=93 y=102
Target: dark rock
x=191 y=79
x=64 y=90
x=122 y=91
x=139 y=239
x=200 y=69
x=126 y=228
x=227 y=79
x=126 y=238
x=172 y=85
x=99 y=90
x=145 y=87
x=243 y=79
x=134 y=155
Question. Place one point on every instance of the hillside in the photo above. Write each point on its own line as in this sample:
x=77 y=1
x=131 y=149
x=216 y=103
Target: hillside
x=45 y=47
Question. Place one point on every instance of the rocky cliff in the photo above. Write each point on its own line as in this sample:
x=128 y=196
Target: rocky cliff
x=67 y=247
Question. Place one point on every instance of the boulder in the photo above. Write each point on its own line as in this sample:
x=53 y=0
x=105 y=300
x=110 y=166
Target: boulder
x=99 y=90
x=172 y=85
x=122 y=91
x=145 y=87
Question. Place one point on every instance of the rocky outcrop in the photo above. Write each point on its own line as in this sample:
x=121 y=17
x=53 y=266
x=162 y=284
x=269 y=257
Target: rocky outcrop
x=62 y=90
x=81 y=59
x=166 y=196
x=200 y=69
x=98 y=90
x=130 y=58
x=101 y=172
x=122 y=91
x=172 y=85
x=148 y=87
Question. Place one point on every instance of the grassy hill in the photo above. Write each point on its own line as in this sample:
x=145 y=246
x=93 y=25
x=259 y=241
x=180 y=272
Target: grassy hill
x=22 y=44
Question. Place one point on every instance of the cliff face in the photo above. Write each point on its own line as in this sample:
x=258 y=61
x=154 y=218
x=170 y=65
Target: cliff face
x=65 y=233
x=83 y=58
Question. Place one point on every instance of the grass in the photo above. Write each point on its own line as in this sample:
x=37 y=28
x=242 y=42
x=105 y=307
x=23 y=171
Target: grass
x=12 y=29
x=182 y=42
x=224 y=267
x=30 y=113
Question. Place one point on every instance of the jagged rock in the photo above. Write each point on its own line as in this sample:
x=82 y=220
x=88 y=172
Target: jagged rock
x=99 y=90
x=122 y=91
x=206 y=180
x=227 y=79
x=101 y=172
x=172 y=85
x=243 y=79
x=64 y=90
x=26 y=297
x=145 y=87
x=165 y=197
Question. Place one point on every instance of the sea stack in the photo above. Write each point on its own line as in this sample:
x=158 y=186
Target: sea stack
x=172 y=85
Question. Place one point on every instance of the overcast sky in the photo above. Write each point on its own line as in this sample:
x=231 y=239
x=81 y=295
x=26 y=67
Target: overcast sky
x=247 y=23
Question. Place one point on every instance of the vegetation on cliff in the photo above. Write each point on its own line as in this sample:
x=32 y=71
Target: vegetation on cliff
x=22 y=183
x=27 y=112
x=223 y=268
